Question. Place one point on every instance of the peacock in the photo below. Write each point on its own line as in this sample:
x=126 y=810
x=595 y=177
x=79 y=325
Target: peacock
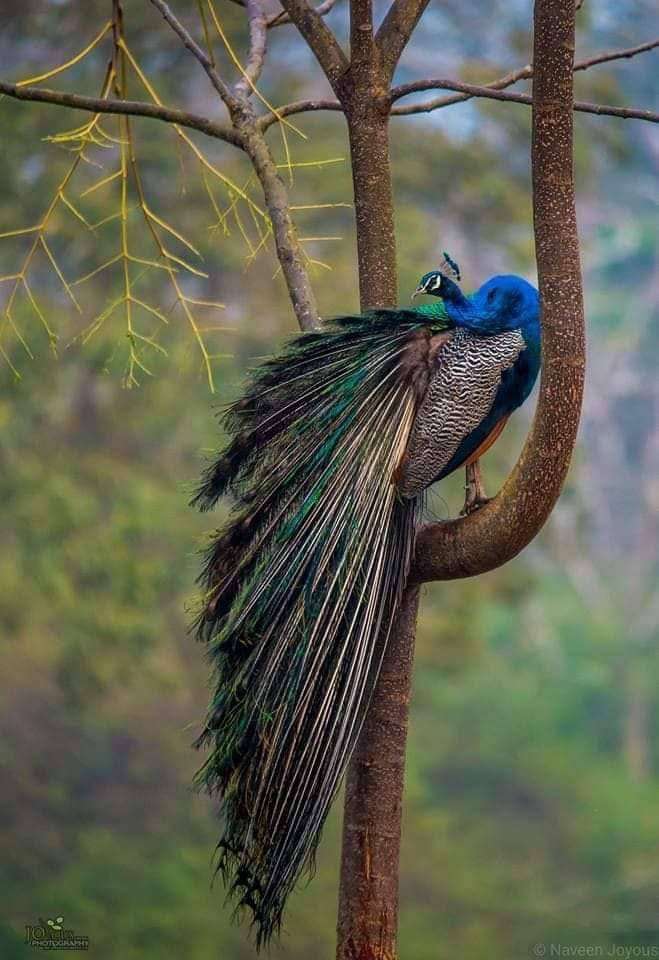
x=331 y=449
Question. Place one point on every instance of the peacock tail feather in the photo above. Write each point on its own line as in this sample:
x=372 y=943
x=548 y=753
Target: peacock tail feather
x=302 y=584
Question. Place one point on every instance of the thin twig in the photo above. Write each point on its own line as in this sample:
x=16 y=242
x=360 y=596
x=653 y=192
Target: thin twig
x=523 y=73
x=282 y=18
x=299 y=106
x=490 y=93
x=257 y=49
x=136 y=108
x=204 y=59
x=580 y=106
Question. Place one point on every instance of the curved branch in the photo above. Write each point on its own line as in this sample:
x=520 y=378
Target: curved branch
x=498 y=531
x=491 y=93
x=134 y=108
x=522 y=73
x=486 y=93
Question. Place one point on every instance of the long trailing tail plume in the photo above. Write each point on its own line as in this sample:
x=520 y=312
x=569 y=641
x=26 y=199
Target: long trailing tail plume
x=301 y=587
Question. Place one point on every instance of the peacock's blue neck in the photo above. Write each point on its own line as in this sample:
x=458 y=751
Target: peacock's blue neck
x=500 y=305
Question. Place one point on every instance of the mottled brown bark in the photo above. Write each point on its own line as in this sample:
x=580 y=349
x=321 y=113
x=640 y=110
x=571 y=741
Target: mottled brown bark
x=368 y=891
x=368 y=896
x=395 y=31
x=368 y=131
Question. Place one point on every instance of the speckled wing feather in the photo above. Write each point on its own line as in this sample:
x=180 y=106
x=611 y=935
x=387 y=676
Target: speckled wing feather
x=466 y=375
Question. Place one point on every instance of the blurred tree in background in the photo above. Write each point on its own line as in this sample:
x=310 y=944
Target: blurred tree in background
x=533 y=778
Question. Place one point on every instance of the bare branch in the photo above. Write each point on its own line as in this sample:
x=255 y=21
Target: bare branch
x=299 y=106
x=135 y=108
x=491 y=93
x=257 y=47
x=252 y=141
x=395 y=31
x=523 y=73
x=361 y=32
x=404 y=110
x=289 y=250
x=282 y=18
x=625 y=54
x=320 y=38
x=190 y=44
x=580 y=106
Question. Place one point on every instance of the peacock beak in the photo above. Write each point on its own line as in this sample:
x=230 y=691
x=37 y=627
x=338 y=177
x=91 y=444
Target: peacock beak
x=419 y=290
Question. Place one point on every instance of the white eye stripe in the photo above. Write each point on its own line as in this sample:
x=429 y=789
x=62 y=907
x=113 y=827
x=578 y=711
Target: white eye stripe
x=436 y=283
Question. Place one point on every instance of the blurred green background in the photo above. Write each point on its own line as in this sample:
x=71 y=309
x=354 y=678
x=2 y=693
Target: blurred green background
x=532 y=800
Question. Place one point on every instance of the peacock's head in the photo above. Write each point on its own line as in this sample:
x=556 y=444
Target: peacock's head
x=438 y=284
x=441 y=283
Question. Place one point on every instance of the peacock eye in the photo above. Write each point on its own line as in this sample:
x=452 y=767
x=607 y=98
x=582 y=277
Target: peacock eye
x=491 y=296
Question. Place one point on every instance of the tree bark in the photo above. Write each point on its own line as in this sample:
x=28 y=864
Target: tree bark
x=367 y=115
x=289 y=250
x=368 y=893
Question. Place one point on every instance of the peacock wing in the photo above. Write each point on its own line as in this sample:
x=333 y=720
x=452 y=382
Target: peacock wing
x=466 y=374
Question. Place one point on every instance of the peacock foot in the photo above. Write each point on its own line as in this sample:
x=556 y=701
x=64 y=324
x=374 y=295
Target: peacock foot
x=473 y=503
x=475 y=496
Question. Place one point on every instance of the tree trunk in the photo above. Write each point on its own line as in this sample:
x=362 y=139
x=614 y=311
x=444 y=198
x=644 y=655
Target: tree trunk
x=368 y=131
x=368 y=891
